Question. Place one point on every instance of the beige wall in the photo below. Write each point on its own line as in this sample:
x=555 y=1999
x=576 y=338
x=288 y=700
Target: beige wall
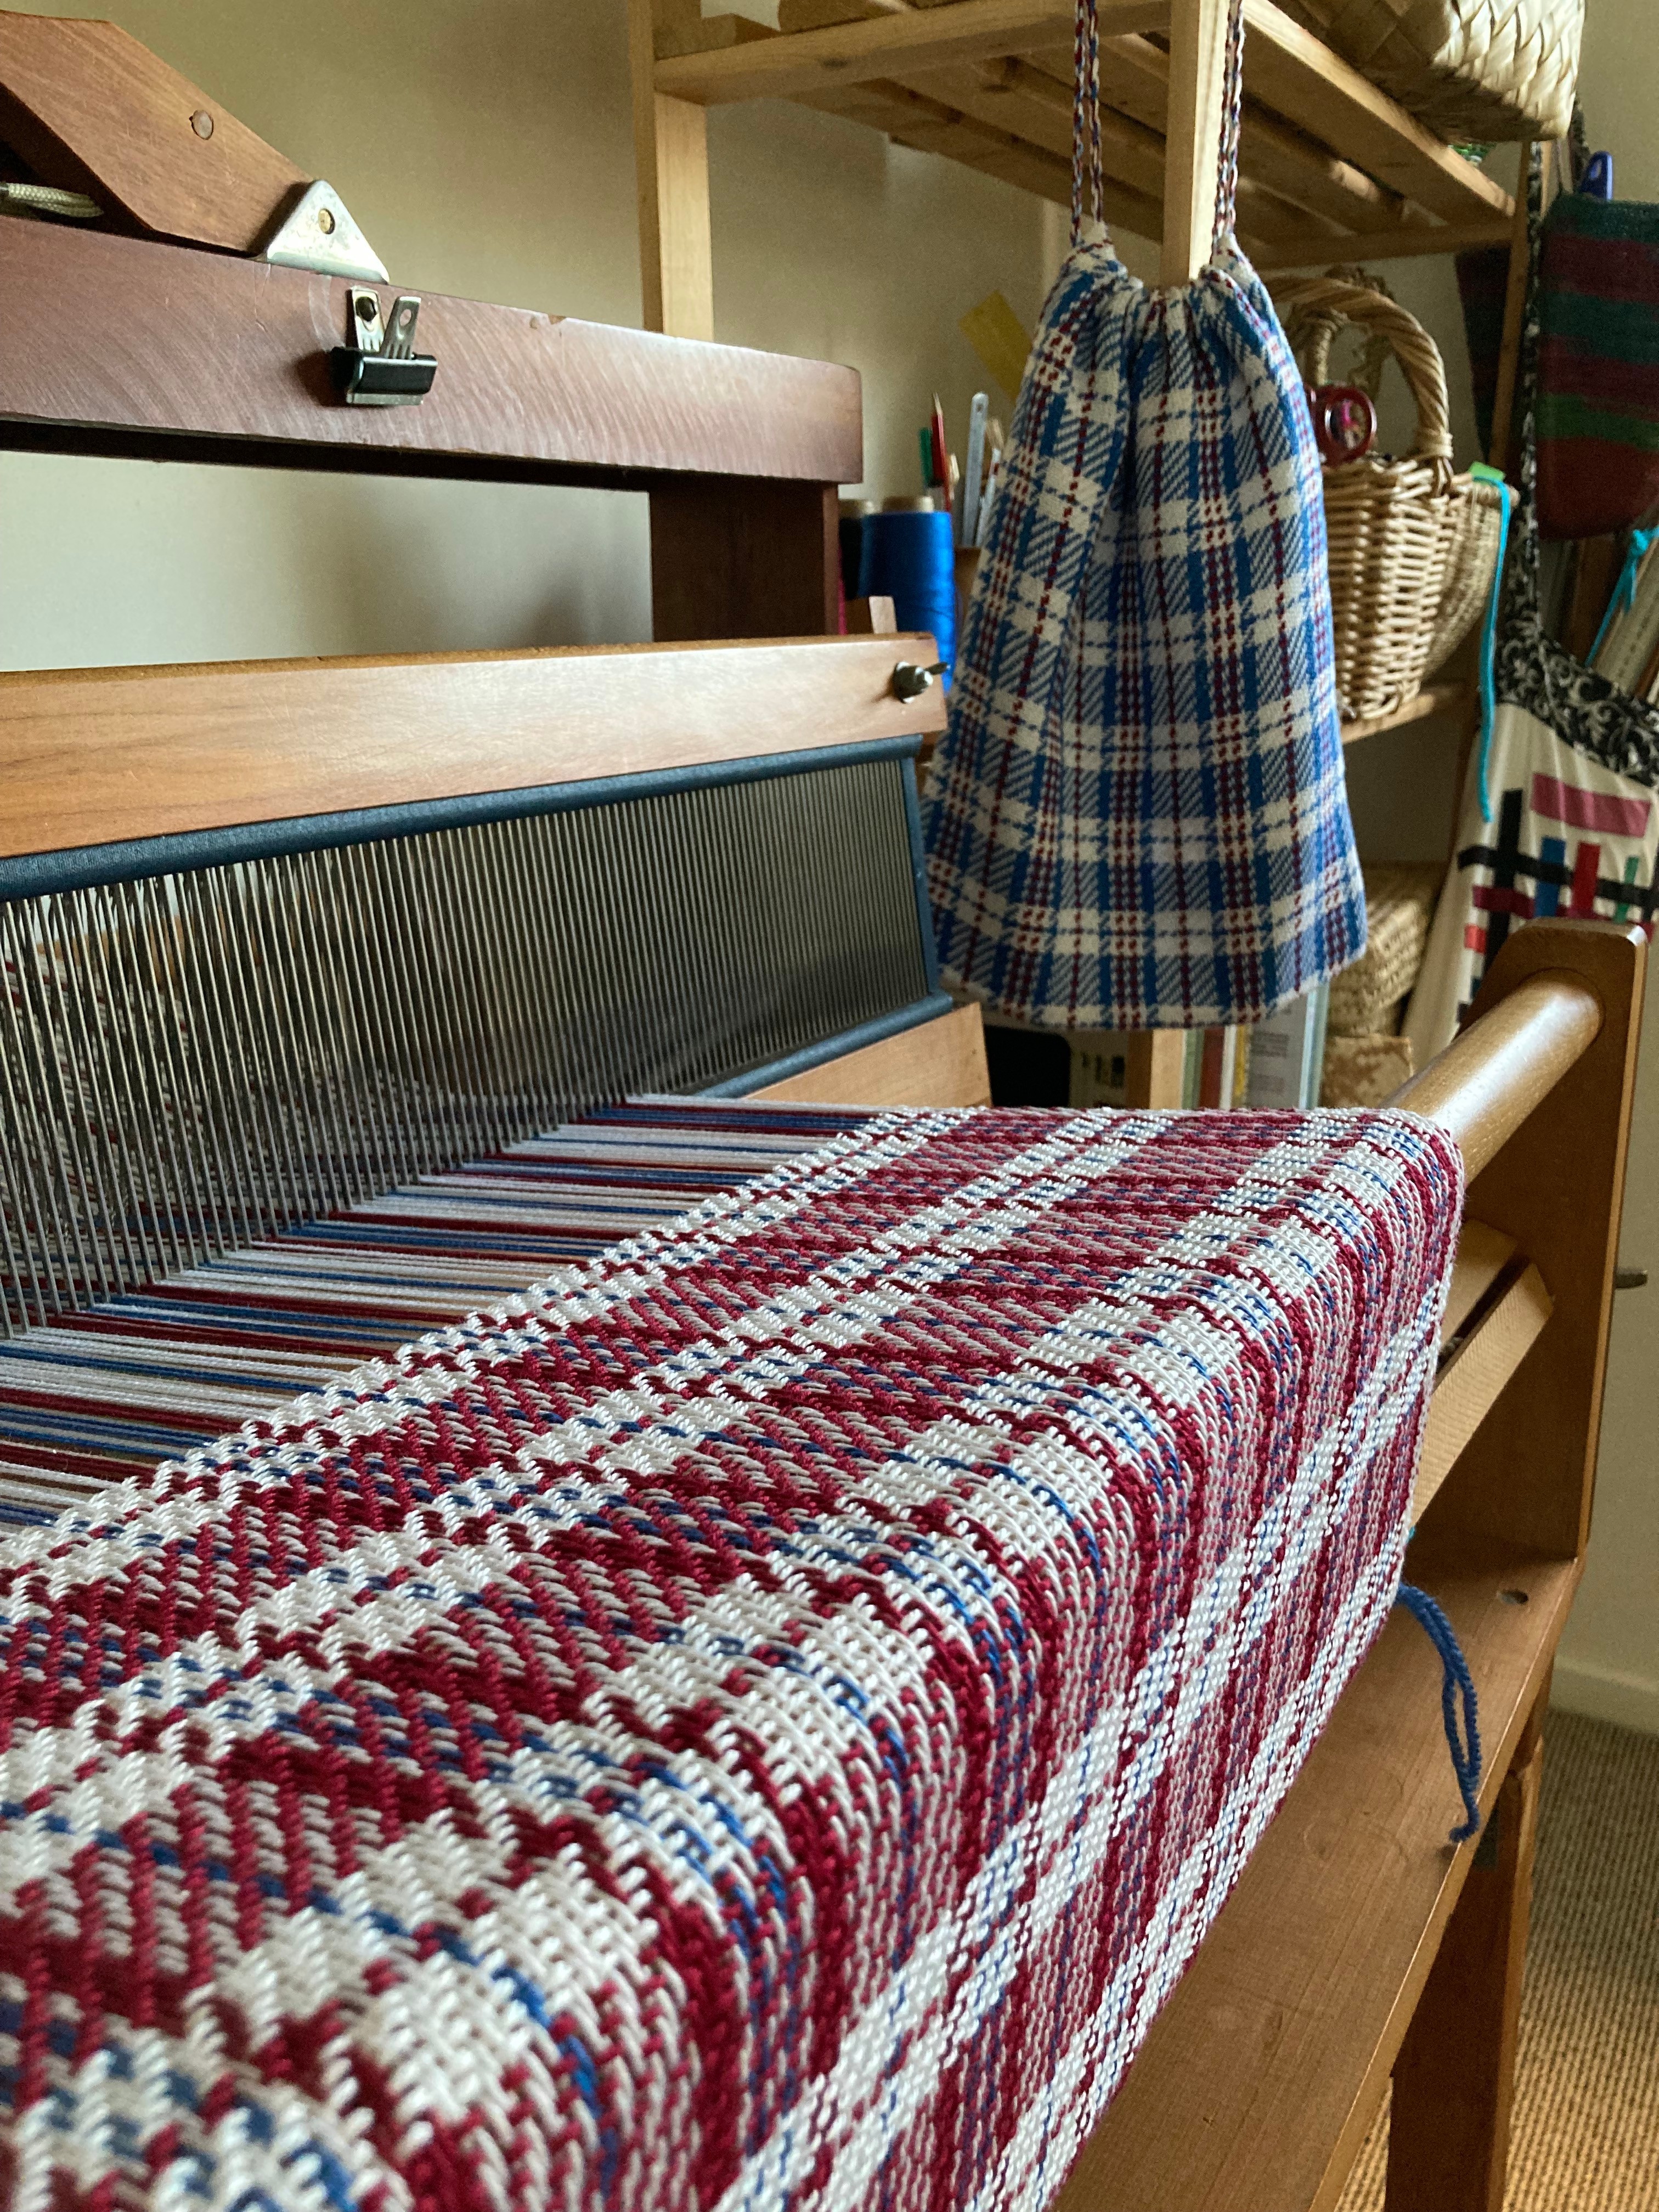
x=484 y=147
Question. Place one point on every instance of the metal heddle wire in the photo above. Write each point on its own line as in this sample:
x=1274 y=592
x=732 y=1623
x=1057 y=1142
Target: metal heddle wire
x=192 y=1062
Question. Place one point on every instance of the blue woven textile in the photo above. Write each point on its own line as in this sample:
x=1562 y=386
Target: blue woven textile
x=1138 y=816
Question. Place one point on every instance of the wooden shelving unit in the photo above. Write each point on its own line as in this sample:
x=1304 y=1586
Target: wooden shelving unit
x=1439 y=697
x=1331 y=169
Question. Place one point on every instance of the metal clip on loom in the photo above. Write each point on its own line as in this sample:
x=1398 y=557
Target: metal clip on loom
x=378 y=366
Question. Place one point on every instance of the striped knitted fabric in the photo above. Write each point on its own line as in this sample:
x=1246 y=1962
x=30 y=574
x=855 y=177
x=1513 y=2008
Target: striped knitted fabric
x=1598 y=364
x=761 y=1719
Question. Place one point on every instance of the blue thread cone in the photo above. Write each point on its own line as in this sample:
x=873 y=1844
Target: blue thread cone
x=910 y=558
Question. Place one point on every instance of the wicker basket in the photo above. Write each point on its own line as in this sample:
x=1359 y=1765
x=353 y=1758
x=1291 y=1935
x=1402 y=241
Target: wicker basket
x=1364 y=1071
x=1412 y=547
x=1469 y=69
x=1398 y=907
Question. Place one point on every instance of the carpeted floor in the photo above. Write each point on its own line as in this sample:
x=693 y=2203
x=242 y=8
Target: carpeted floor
x=1586 y=2130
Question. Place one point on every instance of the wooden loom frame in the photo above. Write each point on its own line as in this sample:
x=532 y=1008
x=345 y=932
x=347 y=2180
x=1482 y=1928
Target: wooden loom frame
x=1356 y=1945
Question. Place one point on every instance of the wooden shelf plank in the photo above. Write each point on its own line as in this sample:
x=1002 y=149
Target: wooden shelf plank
x=1436 y=698
x=1411 y=241
x=1321 y=142
x=1015 y=103
x=205 y=356
x=1470 y=1379
x=1297 y=76
x=1134 y=78
x=1258 y=2080
x=910 y=116
x=798 y=62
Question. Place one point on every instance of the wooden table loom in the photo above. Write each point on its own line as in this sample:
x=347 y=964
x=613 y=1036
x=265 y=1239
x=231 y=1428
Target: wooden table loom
x=246 y=856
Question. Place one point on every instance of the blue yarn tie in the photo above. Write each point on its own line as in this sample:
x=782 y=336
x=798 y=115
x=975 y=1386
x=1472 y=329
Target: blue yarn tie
x=1488 y=632
x=1624 y=592
x=1464 y=1744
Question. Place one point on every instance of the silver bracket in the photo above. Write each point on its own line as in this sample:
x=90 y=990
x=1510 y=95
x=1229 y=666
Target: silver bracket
x=377 y=365
x=318 y=233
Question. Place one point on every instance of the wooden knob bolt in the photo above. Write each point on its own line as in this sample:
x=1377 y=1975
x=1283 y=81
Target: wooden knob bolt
x=909 y=681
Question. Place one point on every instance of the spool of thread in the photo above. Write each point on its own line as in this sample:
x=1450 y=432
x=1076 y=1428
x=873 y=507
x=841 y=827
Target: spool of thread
x=909 y=558
x=853 y=514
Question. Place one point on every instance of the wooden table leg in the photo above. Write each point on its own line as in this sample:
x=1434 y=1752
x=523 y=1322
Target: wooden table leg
x=1448 y=2135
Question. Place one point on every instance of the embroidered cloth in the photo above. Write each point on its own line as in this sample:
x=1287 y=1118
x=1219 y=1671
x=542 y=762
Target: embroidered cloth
x=761 y=1719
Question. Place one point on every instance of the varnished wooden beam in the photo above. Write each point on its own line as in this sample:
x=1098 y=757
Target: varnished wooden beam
x=938 y=1063
x=1556 y=1185
x=1483 y=1255
x=816 y=61
x=1260 y=2078
x=95 y=756
x=731 y=558
x=1491 y=1079
x=1471 y=1380
x=91 y=110
x=205 y=356
x=1413 y=242
x=1453 y=2079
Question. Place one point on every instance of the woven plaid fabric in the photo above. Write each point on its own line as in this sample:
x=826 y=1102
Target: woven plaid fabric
x=761 y=1720
x=1137 y=815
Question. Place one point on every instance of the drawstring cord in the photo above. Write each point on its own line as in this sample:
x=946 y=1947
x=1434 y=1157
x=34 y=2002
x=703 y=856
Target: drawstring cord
x=1085 y=124
x=1457 y=1683
x=1088 y=172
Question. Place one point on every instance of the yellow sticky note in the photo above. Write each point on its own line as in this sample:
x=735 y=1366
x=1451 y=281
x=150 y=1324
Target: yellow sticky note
x=999 y=338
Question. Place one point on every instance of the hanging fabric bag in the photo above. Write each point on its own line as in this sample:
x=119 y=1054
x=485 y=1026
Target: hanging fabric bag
x=1598 y=366
x=1138 y=818
x=1560 y=812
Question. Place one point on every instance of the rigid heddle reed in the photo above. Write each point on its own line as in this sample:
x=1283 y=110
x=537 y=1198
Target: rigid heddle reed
x=192 y=1059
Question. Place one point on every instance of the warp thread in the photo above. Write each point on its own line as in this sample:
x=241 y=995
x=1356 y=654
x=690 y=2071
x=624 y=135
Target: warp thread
x=1457 y=1683
x=910 y=558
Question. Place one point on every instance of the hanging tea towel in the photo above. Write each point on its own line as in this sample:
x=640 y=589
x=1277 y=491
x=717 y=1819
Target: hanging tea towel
x=1138 y=817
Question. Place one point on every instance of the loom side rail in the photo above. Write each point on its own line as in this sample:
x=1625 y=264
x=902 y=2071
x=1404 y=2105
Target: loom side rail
x=1501 y=1068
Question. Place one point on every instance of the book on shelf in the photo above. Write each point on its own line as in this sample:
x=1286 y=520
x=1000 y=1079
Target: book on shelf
x=1213 y=1070
x=1287 y=1053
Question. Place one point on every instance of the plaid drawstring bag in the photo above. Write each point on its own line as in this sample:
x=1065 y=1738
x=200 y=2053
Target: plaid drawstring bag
x=1138 y=818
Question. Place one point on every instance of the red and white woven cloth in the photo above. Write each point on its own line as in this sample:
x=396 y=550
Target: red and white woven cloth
x=761 y=1721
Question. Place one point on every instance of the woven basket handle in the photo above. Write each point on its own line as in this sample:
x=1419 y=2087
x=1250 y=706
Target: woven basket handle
x=1322 y=304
